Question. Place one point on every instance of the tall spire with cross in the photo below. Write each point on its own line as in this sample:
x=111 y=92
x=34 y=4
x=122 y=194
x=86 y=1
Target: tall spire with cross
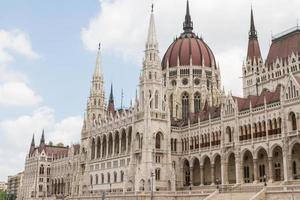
x=96 y=102
x=188 y=24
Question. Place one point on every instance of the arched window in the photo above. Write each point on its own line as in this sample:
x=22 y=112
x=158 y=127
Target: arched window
x=104 y=146
x=197 y=101
x=156 y=100
x=108 y=177
x=185 y=105
x=158 y=138
x=293 y=121
x=122 y=176
x=115 y=177
x=228 y=132
x=98 y=147
x=96 y=179
x=42 y=169
x=91 y=180
x=93 y=149
x=102 y=178
x=171 y=105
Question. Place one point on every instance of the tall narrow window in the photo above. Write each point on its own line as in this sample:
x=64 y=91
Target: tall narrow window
x=293 y=121
x=185 y=105
x=156 y=100
x=158 y=141
x=171 y=105
x=197 y=100
x=157 y=174
x=93 y=149
x=42 y=169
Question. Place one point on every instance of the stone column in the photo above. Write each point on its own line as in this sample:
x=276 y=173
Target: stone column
x=237 y=168
x=212 y=174
x=270 y=161
x=191 y=176
x=242 y=172
x=255 y=171
x=201 y=175
x=287 y=159
x=224 y=171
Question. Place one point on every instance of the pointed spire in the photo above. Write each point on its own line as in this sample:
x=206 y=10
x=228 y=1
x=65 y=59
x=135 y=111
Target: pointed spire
x=32 y=141
x=188 y=24
x=253 y=53
x=97 y=72
x=43 y=138
x=111 y=95
x=151 y=40
x=111 y=106
x=252 y=32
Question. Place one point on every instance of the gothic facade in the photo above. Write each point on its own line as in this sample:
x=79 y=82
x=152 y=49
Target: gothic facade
x=183 y=131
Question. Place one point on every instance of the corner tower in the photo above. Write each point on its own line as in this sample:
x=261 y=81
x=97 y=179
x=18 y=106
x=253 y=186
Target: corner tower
x=152 y=129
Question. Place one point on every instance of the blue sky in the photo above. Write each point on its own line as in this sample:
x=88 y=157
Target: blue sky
x=62 y=74
x=48 y=52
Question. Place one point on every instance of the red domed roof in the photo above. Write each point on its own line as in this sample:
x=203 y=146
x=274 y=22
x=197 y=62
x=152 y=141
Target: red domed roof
x=186 y=49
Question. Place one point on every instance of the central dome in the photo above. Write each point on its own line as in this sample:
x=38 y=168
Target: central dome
x=188 y=49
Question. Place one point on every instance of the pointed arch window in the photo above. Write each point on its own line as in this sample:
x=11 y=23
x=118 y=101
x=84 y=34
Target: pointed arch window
x=156 y=99
x=197 y=101
x=97 y=179
x=158 y=141
x=91 y=180
x=42 y=169
x=122 y=176
x=185 y=105
x=293 y=121
x=115 y=177
x=171 y=105
x=93 y=149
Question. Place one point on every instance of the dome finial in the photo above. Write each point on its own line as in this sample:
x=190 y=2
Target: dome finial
x=152 y=6
x=187 y=24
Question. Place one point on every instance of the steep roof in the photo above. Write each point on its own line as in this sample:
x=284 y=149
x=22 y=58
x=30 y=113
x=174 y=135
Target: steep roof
x=256 y=101
x=283 y=46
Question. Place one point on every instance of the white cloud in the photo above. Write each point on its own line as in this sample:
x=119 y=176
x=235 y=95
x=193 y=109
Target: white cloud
x=16 y=41
x=18 y=94
x=121 y=26
x=16 y=136
x=15 y=89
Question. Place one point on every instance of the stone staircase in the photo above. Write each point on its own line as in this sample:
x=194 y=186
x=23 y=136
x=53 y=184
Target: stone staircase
x=237 y=192
x=234 y=196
